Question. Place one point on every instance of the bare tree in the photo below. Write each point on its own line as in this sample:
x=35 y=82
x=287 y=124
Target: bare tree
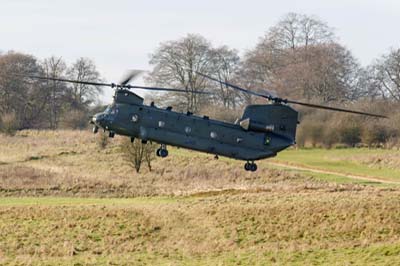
x=22 y=97
x=385 y=75
x=82 y=95
x=55 y=67
x=298 y=58
x=136 y=152
x=225 y=65
x=175 y=65
x=299 y=30
x=325 y=72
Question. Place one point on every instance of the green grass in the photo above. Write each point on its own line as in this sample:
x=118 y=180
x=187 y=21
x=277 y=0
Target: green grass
x=329 y=178
x=341 y=161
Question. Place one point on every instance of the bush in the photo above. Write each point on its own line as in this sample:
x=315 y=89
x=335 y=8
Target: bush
x=75 y=119
x=350 y=135
x=102 y=139
x=9 y=123
x=375 y=135
x=135 y=153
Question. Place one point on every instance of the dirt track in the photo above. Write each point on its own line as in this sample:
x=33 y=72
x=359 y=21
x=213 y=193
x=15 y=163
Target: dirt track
x=315 y=170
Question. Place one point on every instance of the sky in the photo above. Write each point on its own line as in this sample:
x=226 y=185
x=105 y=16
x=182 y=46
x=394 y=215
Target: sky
x=121 y=34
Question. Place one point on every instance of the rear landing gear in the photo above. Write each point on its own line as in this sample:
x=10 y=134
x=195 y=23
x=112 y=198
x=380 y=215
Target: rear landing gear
x=250 y=166
x=162 y=151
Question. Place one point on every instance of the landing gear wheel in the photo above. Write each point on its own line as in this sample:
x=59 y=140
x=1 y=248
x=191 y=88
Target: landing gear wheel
x=111 y=134
x=95 y=129
x=163 y=153
x=250 y=166
x=253 y=167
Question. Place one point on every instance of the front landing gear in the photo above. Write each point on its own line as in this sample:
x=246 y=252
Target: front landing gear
x=162 y=151
x=250 y=166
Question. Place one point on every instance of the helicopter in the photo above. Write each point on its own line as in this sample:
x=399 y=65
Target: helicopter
x=261 y=132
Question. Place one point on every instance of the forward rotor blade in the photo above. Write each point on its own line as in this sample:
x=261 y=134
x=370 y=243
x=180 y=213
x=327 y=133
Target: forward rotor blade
x=163 y=89
x=130 y=75
x=267 y=96
x=333 y=108
x=113 y=85
x=71 y=81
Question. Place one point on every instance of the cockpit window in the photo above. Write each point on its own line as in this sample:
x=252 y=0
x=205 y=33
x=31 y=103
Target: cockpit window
x=112 y=110
x=108 y=110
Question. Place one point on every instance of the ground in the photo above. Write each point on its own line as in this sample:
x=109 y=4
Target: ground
x=65 y=201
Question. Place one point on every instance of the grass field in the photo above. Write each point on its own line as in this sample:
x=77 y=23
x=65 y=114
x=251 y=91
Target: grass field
x=64 y=201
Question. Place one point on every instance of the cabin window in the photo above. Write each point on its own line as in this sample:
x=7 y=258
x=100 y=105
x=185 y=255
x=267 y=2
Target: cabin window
x=135 y=118
x=213 y=135
x=188 y=130
x=161 y=123
x=239 y=140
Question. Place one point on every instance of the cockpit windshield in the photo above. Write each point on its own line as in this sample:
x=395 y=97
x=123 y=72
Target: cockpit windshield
x=108 y=110
x=111 y=110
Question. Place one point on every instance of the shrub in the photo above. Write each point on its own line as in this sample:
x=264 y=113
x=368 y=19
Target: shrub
x=102 y=139
x=350 y=135
x=136 y=152
x=9 y=123
x=375 y=135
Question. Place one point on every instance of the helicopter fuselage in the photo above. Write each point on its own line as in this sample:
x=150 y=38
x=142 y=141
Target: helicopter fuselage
x=150 y=123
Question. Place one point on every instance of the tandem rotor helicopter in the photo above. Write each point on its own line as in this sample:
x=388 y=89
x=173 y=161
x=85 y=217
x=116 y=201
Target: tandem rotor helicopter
x=262 y=132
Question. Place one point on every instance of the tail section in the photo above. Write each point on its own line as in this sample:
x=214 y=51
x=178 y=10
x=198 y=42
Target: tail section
x=277 y=118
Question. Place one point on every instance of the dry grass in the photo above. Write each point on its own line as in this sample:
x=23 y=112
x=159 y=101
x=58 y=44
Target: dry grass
x=250 y=227
x=201 y=211
x=70 y=163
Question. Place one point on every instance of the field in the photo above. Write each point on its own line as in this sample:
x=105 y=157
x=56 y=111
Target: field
x=65 y=201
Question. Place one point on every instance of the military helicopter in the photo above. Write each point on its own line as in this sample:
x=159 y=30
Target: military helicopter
x=262 y=132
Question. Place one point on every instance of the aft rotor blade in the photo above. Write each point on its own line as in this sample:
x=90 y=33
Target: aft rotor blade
x=333 y=108
x=267 y=96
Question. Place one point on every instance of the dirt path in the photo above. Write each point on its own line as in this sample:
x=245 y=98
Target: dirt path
x=315 y=170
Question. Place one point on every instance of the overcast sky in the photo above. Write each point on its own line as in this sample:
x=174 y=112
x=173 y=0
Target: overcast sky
x=120 y=34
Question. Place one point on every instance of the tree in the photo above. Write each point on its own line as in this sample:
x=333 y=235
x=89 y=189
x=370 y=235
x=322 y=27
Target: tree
x=225 y=64
x=136 y=152
x=299 y=30
x=175 y=65
x=82 y=95
x=55 y=67
x=385 y=75
x=20 y=96
x=299 y=59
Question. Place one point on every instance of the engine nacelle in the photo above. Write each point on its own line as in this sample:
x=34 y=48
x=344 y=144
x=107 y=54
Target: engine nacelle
x=248 y=124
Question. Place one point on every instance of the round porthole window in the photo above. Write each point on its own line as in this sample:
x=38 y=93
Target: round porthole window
x=188 y=130
x=135 y=118
x=161 y=123
x=213 y=135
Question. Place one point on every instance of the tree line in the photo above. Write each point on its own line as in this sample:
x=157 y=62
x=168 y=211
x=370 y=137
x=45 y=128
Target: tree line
x=26 y=102
x=299 y=57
